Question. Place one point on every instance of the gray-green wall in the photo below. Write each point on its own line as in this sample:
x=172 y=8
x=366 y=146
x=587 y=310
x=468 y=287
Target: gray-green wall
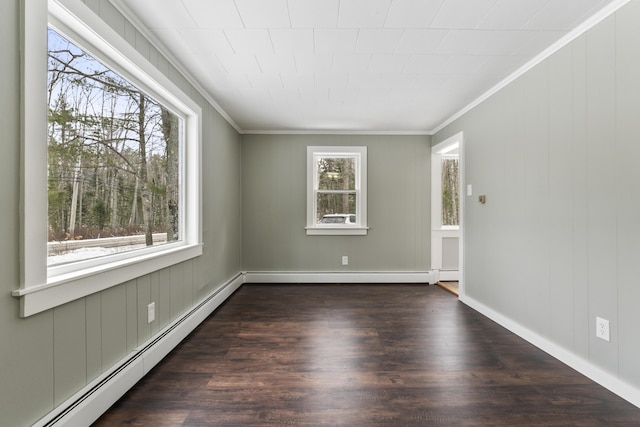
x=48 y=357
x=274 y=206
x=557 y=153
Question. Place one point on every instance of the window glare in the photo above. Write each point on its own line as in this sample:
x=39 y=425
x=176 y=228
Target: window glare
x=113 y=160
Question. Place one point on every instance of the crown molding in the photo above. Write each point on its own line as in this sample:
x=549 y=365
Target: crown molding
x=585 y=26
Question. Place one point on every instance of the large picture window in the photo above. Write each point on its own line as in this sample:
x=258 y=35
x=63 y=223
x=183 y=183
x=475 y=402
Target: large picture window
x=336 y=194
x=113 y=160
x=110 y=160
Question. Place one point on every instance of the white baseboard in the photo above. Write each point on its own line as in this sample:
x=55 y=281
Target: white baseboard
x=88 y=404
x=585 y=367
x=339 y=277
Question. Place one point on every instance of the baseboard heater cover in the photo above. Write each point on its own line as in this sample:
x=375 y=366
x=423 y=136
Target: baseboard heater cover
x=88 y=404
x=340 y=277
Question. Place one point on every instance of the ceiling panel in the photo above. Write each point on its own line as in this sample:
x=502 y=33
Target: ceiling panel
x=420 y=40
x=217 y=14
x=363 y=13
x=511 y=14
x=249 y=41
x=263 y=13
x=292 y=40
x=377 y=40
x=270 y=63
x=506 y=42
x=313 y=13
x=386 y=63
x=462 y=14
x=412 y=13
x=463 y=41
x=335 y=41
x=350 y=65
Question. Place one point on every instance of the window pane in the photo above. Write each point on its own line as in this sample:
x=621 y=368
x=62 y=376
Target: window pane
x=331 y=203
x=113 y=160
x=450 y=192
x=336 y=173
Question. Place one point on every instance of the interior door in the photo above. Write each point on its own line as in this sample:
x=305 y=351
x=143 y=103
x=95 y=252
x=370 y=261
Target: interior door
x=446 y=210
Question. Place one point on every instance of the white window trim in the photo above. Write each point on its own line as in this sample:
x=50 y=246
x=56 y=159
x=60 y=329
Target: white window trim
x=39 y=289
x=360 y=153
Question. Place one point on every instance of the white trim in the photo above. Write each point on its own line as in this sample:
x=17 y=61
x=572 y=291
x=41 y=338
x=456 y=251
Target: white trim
x=340 y=277
x=88 y=404
x=333 y=231
x=585 y=367
x=335 y=132
x=359 y=153
x=439 y=231
x=562 y=42
x=42 y=288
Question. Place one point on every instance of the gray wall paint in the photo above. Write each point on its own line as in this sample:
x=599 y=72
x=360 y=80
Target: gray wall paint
x=556 y=152
x=48 y=357
x=274 y=206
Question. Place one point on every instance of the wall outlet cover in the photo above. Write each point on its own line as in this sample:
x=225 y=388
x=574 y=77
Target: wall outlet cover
x=602 y=329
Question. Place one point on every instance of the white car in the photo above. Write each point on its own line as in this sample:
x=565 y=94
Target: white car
x=338 y=219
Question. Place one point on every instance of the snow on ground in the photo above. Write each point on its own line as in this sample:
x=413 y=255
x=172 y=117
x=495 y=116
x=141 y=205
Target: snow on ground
x=88 y=253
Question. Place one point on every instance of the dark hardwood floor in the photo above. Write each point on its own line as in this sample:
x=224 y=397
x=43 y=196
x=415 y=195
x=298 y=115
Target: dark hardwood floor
x=361 y=355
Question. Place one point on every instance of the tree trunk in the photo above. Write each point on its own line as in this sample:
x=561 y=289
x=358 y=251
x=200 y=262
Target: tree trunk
x=145 y=191
x=170 y=130
x=74 y=199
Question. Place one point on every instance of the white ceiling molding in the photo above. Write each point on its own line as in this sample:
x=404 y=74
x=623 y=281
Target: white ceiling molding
x=577 y=32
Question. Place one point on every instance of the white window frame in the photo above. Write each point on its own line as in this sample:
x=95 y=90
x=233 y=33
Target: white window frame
x=360 y=154
x=43 y=287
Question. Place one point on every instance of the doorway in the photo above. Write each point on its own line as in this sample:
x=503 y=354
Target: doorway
x=446 y=210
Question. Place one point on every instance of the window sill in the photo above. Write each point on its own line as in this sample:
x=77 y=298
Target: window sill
x=68 y=287
x=337 y=231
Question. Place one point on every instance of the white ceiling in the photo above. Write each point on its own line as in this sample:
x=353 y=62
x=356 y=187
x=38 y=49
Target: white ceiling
x=352 y=65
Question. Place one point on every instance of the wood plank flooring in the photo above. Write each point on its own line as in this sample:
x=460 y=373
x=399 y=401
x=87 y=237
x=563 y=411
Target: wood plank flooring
x=361 y=355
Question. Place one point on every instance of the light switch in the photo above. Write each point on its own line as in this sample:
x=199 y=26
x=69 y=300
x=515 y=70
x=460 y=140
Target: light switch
x=469 y=190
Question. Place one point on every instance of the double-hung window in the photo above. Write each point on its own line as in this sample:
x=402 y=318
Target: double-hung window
x=336 y=190
x=110 y=163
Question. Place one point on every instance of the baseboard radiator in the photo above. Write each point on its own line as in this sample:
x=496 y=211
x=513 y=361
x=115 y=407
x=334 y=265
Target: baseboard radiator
x=423 y=277
x=88 y=404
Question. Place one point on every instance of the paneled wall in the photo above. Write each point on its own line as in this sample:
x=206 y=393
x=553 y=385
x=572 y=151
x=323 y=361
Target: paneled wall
x=48 y=357
x=557 y=154
x=274 y=206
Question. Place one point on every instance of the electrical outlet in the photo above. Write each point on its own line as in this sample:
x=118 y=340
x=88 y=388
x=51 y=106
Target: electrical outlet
x=151 y=312
x=345 y=260
x=602 y=329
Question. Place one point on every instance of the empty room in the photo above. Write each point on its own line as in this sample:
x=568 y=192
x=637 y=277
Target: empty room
x=320 y=212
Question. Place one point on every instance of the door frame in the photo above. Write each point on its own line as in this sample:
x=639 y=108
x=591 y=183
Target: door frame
x=436 y=202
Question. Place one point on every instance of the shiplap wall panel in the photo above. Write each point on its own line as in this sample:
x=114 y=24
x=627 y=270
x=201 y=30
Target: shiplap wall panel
x=580 y=171
x=93 y=308
x=143 y=299
x=69 y=349
x=560 y=197
x=132 y=315
x=176 y=285
x=113 y=307
x=628 y=212
x=602 y=200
